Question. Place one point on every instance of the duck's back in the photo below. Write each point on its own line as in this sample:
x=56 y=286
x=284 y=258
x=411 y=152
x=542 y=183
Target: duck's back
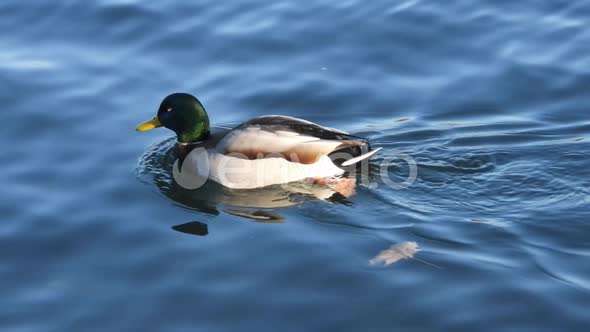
x=294 y=139
x=275 y=149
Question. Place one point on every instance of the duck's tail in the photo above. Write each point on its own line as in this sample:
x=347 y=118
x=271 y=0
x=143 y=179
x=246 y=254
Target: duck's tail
x=360 y=158
x=351 y=152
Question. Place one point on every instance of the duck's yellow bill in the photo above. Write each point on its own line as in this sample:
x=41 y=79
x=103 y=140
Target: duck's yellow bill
x=149 y=125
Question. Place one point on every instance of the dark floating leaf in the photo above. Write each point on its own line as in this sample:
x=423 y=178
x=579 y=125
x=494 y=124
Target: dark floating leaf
x=193 y=227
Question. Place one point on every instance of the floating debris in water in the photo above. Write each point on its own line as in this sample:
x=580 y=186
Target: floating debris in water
x=395 y=253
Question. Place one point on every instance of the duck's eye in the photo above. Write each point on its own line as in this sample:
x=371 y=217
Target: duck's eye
x=168 y=110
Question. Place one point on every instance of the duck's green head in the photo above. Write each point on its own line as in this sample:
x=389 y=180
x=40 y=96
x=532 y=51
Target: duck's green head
x=183 y=114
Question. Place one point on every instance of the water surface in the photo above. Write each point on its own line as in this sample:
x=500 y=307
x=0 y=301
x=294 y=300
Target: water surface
x=489 y=97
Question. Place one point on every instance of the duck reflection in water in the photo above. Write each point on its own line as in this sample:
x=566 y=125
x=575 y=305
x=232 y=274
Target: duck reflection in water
x=260 y=205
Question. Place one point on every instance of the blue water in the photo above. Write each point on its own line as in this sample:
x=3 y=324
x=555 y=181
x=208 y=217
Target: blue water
x=490 y=98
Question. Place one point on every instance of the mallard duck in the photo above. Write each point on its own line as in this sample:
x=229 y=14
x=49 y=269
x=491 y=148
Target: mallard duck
x=263 y=151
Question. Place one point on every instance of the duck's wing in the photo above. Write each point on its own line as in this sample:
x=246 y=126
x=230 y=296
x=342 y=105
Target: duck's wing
x=295 y=139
